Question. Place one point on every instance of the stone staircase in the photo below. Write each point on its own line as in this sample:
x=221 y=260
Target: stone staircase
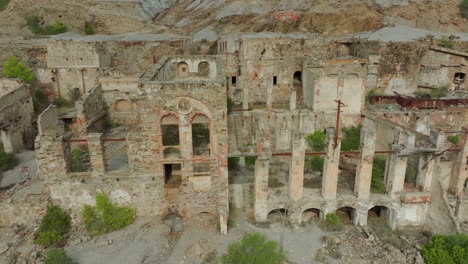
x=235 y=132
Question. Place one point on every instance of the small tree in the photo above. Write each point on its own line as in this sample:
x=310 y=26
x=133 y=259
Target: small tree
x=454 y=139
x=254 y=249
x=452 y=249
x=13 y=68
x=54 y=225
x=317 y=140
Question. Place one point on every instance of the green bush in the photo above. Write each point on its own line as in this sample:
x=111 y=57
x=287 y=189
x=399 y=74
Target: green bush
x=451 y=249
x=314 y=163
x=7 y=161
x=250 y=161
x=463 y=8
x=254 y=248
x=76 y=161
x=317 y=140
x=454 y=139
x=377 y=180
x=89 y=29
x=332 y=218
x=3 y=4
x=445 y=42
x=58 y=256
x=106 y=216
x=13 y=68
x=233 y=163
x=375 y=92
x=434 y=93
x=351 y=138
x=33 y=22
x=55 y=223
x=40 y=100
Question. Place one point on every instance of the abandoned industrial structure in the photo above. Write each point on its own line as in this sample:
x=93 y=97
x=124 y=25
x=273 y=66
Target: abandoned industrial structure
x=164 y=139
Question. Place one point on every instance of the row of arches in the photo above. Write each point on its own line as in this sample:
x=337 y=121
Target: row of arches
x=345 y=213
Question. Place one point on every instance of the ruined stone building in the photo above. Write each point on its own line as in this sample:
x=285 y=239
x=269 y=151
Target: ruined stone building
x=160 y=139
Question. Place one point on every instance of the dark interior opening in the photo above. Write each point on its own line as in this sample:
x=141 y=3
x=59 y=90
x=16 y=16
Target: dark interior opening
x=275 y=80
x=172 y=175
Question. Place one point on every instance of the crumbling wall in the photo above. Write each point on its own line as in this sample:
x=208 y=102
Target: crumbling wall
x=90 y=109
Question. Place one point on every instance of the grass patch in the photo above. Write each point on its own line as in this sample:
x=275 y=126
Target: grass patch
x=55 y=223
x=58 y=256
x=451 y=249
x=434 y=93
x=76 y=165
x=3 y=4
x=445 y=42
x=7 y=161
x=332 y=223
x=89 y=29
x=106 y=216
x=378 y=169
x=463 y=8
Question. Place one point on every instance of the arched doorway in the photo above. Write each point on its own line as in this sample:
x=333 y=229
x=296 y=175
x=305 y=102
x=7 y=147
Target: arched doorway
x=182 y=70
x=310 y=215
x=204 y=69
x=346 y=214
x=280 y=215
x=378 y=215
x=297 y=86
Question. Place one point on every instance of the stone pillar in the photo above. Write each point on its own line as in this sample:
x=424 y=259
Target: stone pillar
x=7 y=141
x=366 y=159
x=96 y=153
x=403 y=144
x=427 y=164
x=292 y=102
x=360 y=216
x=460 y=167
x=330 y=166
x=296 y=169
x=262 y=171
x=269 y=98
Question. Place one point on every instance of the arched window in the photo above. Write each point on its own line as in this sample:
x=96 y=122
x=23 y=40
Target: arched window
x=170 y=131
x=122 y=106
x=297 y=85
x=201 y=135
x=204 y=69
x=182 y=70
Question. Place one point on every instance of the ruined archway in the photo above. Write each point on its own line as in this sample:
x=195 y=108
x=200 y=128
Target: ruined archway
x=311 y=214
x=378 y=215
x=346 y=214
x=279 y=215
x=182 y=70
x=122 y=105
x=174 y=221
x=204 y=69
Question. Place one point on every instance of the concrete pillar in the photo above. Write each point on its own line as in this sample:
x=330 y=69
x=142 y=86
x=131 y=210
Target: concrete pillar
x=427 y=165
x=296 y=169
x=403 y=144
x=330 y=166
x=460 y=167
x=7 y=141
x=262 y=171
x=292 y=101
x=364 y=166
x=360 y=216
x=96 y=153
x=269 y=98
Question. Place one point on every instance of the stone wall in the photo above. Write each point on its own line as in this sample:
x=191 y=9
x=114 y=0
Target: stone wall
x=90 y=109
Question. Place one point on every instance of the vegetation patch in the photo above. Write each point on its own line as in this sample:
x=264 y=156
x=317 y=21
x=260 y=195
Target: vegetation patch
x=451 y=249
x=378 y=169
x=34 y=24
x=454 y=139
x=332 y=223
x=351 y=138
x=55 y=223
x=58 y=256
x=463 y=8
x=106 y=216
x=76 y=165
x=313 y=163
x=89 y=29
x=317 y=140
x=250 y=161
x=13 y=68
x=7 y=161
x=233 y=163
x=3 y=4
x=434 y=93
x=445 y=42
x=254 y=248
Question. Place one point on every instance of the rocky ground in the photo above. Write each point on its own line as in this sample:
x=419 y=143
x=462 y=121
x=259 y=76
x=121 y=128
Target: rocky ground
x=197 y=241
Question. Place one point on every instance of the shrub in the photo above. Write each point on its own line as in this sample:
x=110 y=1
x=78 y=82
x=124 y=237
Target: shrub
x=377 y=180
x=58 y=256
x=3 y=4
x=445 y=42
x=463 y=8
x=451 y=249
x=106 y=216
x=250 y=161
x=33 y=22
x=314 y=163
x=332 y=218
x=76 y=161
x=375 y=92
x=55 y=223
x=454 y=139
x=40 y=100
x=233 y=163
x=317 y=140
x=74 y=95
x=230 y=104
x=351 y=138
x=7 y=161
x=89 y=29
x=13 y=68
x=254 y=248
